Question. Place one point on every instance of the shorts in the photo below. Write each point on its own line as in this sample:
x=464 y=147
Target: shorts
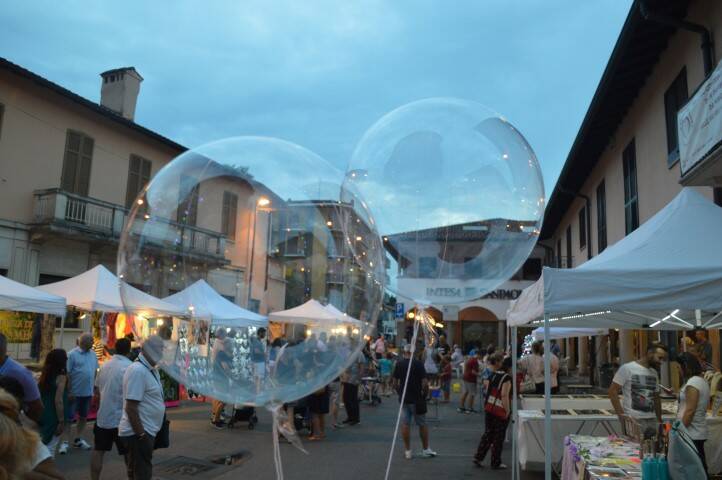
x=259 y=369
x=79 y=405
x=319 y=404
x=446 y=386
x=104 y=438
x=410 y=412
x=470 y=387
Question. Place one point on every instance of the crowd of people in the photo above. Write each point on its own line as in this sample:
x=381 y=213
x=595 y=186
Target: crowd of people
x=130 y=415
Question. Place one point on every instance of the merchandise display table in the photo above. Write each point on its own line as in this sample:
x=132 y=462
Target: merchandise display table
x=576 y=402
x=530 y=433
x=595 y=458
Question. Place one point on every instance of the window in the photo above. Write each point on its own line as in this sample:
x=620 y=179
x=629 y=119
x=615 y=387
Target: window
x=427 y=267
x=138 y=178
x=569 y=246
x=583 y=228
x=228 y=216
x=559 y=253
x=601 y=217
x=76 y=163
x=631 y=200
x=532 y=269
x=2 y=115
x=4 y=272
x=188 y=202
x=254 y=305
x=674 y=98
x=230 y=298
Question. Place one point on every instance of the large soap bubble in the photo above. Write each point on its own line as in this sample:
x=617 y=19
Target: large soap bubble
x=457 y=196
x=255 y=223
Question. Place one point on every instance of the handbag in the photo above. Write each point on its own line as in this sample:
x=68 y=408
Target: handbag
x=494 y=403
x=162 y=438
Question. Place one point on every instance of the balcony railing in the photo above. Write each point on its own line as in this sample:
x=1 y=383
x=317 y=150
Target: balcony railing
x=92 y=216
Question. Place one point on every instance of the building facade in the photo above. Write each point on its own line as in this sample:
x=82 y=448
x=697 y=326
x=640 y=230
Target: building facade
x=624 y=164
x=70 y=170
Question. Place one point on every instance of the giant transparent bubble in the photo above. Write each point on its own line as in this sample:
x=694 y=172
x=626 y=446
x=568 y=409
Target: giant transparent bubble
x=243 y=240
x=456 y=194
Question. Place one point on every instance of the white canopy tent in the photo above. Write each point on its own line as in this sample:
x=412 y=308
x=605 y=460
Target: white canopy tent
x=200 y=300
x=346 y=318
x=99 y=290
x=667 y=274
x=15 y=296
x=311 y=313
x=557 y=333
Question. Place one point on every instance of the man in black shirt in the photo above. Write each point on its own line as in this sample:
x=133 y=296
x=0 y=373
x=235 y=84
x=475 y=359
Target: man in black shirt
x=414 y=401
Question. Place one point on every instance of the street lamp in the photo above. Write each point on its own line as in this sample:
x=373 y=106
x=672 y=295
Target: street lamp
x=261 y=202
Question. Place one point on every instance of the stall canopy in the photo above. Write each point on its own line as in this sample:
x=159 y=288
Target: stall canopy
x=667 y=274
x=99 y=290
x=346 y=318
x=200 y=300
x=311 y=313
x=558 y=333
x=15 y=296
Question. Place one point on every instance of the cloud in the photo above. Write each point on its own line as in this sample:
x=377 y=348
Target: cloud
x=319 y=73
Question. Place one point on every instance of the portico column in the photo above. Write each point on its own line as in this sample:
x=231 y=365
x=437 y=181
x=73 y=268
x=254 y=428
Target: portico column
x=626 y=346
x=583 y=354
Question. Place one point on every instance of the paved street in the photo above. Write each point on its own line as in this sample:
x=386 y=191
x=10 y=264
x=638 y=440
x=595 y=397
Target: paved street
x=351 y=453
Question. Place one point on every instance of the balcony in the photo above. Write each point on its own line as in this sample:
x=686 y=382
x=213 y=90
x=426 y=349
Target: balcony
x=65 y=213
x=335 y=277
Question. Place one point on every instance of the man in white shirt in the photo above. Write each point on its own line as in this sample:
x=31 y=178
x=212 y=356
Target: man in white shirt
x=143 y=409
x=639 y=383
x=109 y=384
x=81 y=369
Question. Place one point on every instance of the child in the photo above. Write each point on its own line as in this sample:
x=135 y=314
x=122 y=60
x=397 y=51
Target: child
x=385 y=369
x=445 y=377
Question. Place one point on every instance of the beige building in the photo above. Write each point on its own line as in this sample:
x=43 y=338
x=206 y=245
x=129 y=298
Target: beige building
x=624 y=164
x=69 y=171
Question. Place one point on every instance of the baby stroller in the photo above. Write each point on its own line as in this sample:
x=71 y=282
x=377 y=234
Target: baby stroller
x=243 y=413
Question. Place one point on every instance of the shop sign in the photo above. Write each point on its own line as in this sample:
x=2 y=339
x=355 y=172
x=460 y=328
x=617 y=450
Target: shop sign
x=699 y=122
x=17 y=327
x=469 y=293
x=503 y=294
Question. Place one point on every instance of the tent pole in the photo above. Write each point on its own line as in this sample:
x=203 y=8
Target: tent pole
x=514 y=460
x=62 y=329
x=547 y=403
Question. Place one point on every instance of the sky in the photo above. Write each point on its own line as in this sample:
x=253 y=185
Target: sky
x=320 y=72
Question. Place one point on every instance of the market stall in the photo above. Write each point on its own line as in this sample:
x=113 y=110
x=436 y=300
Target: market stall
x=667 y=274
x=596 y=458
x=18 y=305
x=207 y=311
x=116 y=309
x=302 y=320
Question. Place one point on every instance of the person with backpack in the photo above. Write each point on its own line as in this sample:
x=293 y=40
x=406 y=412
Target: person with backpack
x=497 y=411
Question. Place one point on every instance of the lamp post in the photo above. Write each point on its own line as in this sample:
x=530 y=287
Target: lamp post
x=262 y=202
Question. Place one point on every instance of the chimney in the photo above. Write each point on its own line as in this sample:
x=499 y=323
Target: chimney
x=119 y=91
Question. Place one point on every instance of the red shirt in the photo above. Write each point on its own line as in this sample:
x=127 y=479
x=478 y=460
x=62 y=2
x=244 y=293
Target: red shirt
x=471 y=370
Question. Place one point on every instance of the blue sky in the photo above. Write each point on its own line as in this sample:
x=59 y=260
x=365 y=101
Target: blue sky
x=319 y=73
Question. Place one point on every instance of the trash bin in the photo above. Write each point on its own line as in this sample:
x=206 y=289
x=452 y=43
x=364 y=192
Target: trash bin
x=606 y=374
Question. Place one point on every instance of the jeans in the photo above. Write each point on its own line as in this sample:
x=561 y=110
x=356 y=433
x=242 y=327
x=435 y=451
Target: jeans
x=350 y=399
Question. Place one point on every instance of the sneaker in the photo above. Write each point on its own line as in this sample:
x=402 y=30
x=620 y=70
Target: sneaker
x=353 y=424
x=63 y=449
x=477 y=462
x=501 y=466
x=461 y=410
x=338 y=425
x=81 y=444
x=408 y=454
x=219 y=425
x=427 y=452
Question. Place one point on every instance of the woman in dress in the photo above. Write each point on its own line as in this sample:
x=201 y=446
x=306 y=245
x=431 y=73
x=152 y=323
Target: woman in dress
x=54 y=396
x=693 y=400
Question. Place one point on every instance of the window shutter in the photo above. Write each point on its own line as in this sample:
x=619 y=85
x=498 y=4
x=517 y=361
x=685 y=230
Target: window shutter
x=70 y=162
x=86 y=158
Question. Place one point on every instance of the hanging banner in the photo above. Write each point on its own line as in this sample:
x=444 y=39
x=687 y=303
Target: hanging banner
x=699 y=122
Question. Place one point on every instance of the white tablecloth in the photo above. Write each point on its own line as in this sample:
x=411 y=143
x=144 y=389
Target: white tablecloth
x=560 y=403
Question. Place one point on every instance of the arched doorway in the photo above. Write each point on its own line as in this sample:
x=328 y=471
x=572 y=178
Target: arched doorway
x=479 y=328
x=437 y=314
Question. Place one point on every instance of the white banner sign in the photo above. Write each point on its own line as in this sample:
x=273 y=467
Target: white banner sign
x=699 y=122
